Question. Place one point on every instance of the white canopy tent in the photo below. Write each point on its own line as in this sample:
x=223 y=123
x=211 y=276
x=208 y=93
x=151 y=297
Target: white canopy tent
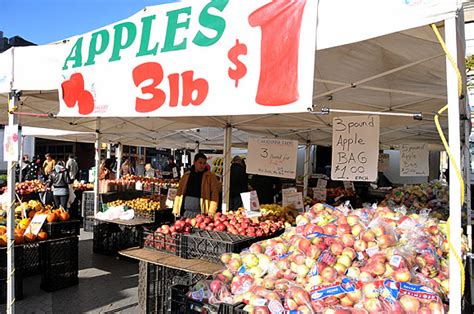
x=371 y=56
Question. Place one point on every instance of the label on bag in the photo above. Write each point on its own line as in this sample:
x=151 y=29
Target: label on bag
x=345 y=286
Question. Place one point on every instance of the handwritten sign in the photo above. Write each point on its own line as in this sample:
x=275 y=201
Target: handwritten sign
x=272 y=157
x=414 y=160
x=36 y=223
x=10 y=143
x=355 y=145
x=384 y=162
x=320 y=194
x=251 y=204
x=293 y=199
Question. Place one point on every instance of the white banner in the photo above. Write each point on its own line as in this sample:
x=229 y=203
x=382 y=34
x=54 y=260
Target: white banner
x=414 y=160
x=272 y=157
x=10 y=143
x=195 y=58
x=355 y=146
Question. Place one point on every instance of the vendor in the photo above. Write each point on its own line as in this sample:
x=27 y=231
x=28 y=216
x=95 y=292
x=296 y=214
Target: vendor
x=267 y=188
x=238 y=182
x=198 y=190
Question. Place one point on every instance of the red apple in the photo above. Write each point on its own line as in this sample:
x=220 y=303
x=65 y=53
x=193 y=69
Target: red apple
x=368 y=236
x=360 y=245
x=348 y=240
x=409 y=304
x=329 y=274
x=402 y=274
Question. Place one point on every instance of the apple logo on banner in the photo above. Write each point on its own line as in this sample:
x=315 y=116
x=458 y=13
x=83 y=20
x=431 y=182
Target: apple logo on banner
x=74 y=92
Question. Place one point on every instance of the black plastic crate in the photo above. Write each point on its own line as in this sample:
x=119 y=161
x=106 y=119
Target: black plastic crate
x=210 y=245
x=180 y=303
x=31 y=259
x=62 y=229
x=60 y=267
x=238 y=308
x=109 y=238
x=163 y=243
x=159 y=217
x=154 y=284
x=18 y=274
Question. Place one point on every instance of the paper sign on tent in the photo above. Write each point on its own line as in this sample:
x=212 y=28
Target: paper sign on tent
x=414 y=160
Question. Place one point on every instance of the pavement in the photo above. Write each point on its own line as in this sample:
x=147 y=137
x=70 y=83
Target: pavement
x=107 y=284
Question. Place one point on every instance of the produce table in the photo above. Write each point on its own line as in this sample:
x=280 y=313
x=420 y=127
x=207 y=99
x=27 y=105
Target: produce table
x=159 y=271
x=131 y=223
x=194 y=266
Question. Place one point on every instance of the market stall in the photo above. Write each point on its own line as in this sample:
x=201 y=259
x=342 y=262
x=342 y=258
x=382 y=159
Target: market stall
x=359 y=70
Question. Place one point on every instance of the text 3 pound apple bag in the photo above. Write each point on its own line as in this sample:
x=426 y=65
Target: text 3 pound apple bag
x=388 y=296
x=339 y=295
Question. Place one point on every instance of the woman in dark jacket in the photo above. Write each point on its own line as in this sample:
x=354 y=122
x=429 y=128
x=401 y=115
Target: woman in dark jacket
x=238 y=182
x=59 y=179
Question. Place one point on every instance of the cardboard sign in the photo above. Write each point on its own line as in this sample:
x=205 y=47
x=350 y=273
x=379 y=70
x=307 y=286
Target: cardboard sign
x=384 y=162
x=293 y=199
x=322 y=184
x=272 y=157
x=138 y=185
x=36 y=223
x=170 y=197
x=414 y=160
x=355 y=146
x=348 y=185
x=320 y=194
x=10 y=143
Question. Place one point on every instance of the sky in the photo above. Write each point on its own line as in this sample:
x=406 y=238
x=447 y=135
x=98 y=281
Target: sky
x=46 y=21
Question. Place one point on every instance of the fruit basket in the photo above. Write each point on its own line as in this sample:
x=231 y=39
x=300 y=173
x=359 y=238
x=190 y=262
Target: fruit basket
x=171 y=244
x=62 y=228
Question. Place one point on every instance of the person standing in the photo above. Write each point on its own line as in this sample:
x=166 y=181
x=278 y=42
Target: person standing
x=59 y=180
x=149 y=171
x=198 y=191
x=171 y=170
x=125 y=169
x=48 y=165
x=25 y=167
x=266 y=187
x=238 y=183
x=72 y=167
x=140 y=167
x=34 y=169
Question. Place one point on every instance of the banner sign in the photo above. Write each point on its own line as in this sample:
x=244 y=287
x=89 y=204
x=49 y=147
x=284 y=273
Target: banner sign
x=10 y=143
x=189 y=58
x=272 y=157
x=355 y=148
x=414 y=160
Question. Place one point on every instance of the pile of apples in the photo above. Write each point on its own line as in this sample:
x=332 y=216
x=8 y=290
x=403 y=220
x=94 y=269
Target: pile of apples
x=29 y=187
x=336 y=260
x=78 y=186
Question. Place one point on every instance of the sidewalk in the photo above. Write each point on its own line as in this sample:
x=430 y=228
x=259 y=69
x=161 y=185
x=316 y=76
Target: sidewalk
x=106 y=285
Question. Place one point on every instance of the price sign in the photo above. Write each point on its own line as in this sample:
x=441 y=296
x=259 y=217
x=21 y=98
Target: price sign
x=170 y=197
x=322 y=184
x=355 y=145
x=36 y=223
x=320 y=194
x=384 y=162
x=348 y=185
x=10 y=143
x=257 y=56
x=293 y=199
x=251 y=203
x=272 y=157
x=414 y=160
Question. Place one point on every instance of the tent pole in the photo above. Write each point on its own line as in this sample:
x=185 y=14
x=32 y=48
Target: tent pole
x=12 y=120
x=455 y=205
x=22 y=142
x=119 y=159
x=226 y=170
x=97 y=165
x=306 y=169
x=108 y=151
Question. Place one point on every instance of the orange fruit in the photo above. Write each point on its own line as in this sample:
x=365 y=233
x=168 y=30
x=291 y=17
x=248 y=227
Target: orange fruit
x=42 y=236
x=29 y=237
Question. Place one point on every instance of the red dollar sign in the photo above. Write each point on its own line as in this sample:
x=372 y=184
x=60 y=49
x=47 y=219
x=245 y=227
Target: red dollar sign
x=240 y=68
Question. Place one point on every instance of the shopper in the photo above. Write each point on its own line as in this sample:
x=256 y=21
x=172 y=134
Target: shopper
x=105 y=170
x=125 y=169
x=59 y=180
x=149 y=171
x=198 y=190
x=266 y=187
x=48 y=165
x=34 y=169
x=72 y=167
x=238 y=182
x=25 y=167
x=140 y=167
x=171 y=170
